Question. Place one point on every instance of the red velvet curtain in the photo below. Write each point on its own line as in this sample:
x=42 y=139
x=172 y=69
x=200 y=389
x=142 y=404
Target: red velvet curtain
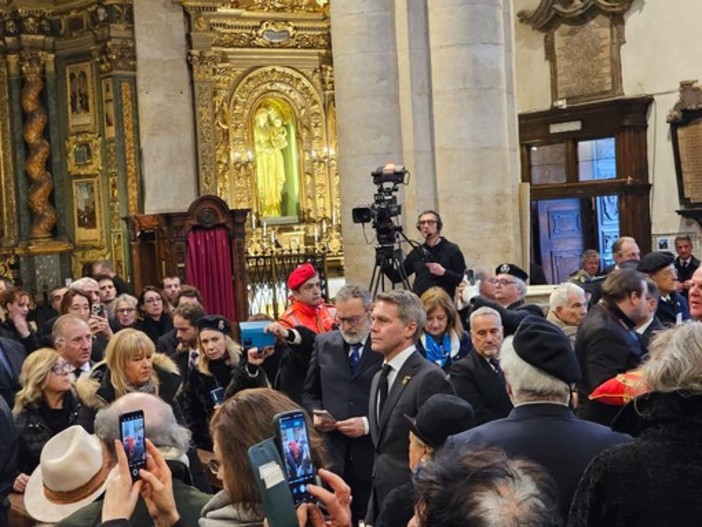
x=209 y=268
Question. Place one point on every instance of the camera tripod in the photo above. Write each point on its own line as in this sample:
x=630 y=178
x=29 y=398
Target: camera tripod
x=388 y=258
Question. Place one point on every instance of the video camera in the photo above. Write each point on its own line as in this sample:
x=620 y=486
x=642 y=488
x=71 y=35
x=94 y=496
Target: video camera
x=385 y=207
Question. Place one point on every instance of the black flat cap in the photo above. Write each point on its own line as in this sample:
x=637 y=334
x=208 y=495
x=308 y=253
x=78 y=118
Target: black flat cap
x=546 y=347
x=514 y=270
x=216 y=323
x=441 y=416
x=655 y=261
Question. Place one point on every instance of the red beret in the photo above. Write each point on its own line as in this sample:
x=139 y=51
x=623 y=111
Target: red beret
x=300 y=275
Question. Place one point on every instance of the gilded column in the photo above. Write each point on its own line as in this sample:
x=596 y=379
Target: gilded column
x=203 y=66
x=40 y=180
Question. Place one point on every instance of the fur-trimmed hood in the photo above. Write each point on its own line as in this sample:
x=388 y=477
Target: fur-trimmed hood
x=96 y=391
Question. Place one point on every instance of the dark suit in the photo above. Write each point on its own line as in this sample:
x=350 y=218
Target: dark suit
x=668 y=310
x=8 y=459
x=686 y=272
x=550 y=435
x=330 y=385
x=9 y=380
x=417 y=380
x=475 y=381
x=605 y=345
x=645 y=338
x=511 y=315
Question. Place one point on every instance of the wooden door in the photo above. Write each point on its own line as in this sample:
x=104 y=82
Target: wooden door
x=561 y=237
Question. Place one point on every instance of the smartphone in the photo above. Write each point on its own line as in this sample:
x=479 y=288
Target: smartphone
x=275 y=493
x=131 y=429
x=217 y=396
x=254 y=336
x=325 y=416
x=470 y=276
x=293 y=442
x=98 y=309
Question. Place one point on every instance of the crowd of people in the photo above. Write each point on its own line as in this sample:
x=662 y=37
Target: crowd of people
x=456 y=403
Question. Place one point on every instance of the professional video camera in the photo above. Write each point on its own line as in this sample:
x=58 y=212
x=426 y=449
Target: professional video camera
x=385 y=206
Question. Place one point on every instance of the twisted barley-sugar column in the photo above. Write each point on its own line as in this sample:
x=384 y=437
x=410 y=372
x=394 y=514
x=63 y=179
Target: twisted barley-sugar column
x=41 y=182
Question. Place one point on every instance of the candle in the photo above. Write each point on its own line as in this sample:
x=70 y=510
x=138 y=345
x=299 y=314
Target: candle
x=333 y=216
x=264 y=228
x=272 y=237
x=253 y=221
x=324 y=226
x=316 y=234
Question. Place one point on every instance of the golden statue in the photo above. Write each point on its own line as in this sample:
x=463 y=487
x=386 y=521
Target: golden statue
x=270 y=137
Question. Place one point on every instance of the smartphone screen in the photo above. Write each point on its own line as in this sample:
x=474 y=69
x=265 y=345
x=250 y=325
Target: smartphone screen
x=294 y=443
x=131 y=427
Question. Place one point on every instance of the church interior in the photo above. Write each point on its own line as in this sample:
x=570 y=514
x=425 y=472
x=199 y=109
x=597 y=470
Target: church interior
x=536 y=128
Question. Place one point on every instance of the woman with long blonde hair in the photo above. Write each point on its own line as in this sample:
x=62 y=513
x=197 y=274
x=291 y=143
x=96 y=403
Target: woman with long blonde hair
x=131 y=365
x=44 y=406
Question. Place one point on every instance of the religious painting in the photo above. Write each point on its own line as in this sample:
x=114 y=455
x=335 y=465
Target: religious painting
x=86 y=205
x=108 y=105
x=81 y=101
x=83 y=154
x=276 y=161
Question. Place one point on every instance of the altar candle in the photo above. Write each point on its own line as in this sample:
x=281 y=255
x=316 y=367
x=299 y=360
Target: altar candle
x=316 y=234
x=272 y=237
x=253 y=221
x=324 y=226
x=264 y=228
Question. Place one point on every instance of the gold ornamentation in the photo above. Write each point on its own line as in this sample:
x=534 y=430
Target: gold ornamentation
x=274 y=34
x=41 y=182
x=79 y=257
x=9 y=231
x=287 y=6
x=84 y=155
x=130 y=146
x=116 y=55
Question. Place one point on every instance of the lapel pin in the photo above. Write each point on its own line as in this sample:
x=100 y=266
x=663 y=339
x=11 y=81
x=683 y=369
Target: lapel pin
x=406 y=379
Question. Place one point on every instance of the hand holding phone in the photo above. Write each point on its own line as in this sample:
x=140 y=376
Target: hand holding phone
x=470 y=276
x=294 y=443
x=132 y=431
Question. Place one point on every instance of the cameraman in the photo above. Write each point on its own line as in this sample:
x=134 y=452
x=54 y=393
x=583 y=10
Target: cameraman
x=437 y=262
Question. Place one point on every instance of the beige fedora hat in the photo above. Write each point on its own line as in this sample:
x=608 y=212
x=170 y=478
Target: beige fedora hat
x=71 y=474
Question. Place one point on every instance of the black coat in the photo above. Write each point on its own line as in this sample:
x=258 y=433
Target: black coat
x=294 y=361
x=605 y=345
x=475 y=381
x=653 y=481
x=9 y=380
x=511 y=315
x=9 y=331
x=8 y=458
x=669 y=310
x=155 y=328
x=33 y=432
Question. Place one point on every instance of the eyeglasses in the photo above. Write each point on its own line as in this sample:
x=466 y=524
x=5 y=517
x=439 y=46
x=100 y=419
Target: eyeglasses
x=153 y=300
x=125 y=310
x=352 y=321
x=427 y=222
x=61 y=367
x=214 y=465
x=504 y=283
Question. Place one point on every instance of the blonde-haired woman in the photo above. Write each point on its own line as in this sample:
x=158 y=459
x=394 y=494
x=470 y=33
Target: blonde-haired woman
x=44 y=406
x=219 y=369
x=131 y=365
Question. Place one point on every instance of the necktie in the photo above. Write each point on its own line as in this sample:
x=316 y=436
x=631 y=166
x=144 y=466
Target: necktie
x=77 y=372
x=192 y=360
x=355 y=357
x=498 y=371
x=383 y=388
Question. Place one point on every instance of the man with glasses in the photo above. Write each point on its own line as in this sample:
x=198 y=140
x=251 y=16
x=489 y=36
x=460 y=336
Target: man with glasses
x=437 y=262
x=338 y=382
x=660 y=267
x=510 y=290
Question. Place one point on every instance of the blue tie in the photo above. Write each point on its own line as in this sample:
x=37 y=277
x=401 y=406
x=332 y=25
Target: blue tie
x=355 y=357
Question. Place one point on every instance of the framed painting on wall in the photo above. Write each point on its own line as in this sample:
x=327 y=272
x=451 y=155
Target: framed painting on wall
x=84 y=154
x=87 y=213
x=80 y=97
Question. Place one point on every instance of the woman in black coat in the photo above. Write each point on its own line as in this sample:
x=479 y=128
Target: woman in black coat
x=44 y=406
x=654 y=480
x=155 y=320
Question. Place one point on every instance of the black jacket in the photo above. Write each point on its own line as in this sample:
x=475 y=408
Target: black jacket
x=9 y=380
x=9 y=331
x=33 y=431
x=155 y=328
x=446 y=253
x=511 y=315
x=653 y=481
x=8 y=459
x=605 y=345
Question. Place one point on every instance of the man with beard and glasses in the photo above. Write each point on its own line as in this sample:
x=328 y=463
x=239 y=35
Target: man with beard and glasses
x=338 y=381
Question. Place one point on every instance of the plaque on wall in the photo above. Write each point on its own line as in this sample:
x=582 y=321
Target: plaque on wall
x=687 y=149
x=584 y=59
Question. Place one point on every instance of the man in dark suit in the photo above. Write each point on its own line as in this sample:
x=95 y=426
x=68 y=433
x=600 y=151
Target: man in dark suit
x=399 y=389
x=685 y=263
x=606 y=343
x=8 y=459
x=338 y=381
x=12 y=356
x=539 y=366
x=73 y=340
x=478 y=377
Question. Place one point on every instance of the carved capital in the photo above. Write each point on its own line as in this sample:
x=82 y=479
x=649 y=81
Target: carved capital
x=116 y=55
x=552 y=13
x=32 y=63
x=203 y=65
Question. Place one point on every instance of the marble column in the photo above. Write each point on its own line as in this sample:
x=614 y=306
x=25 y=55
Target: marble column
x=368 y=113
x=165 y=100
x=475 y=127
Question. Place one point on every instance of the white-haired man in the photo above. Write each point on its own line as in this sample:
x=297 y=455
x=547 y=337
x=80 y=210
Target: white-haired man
x=540 y=366
x=567 y=307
